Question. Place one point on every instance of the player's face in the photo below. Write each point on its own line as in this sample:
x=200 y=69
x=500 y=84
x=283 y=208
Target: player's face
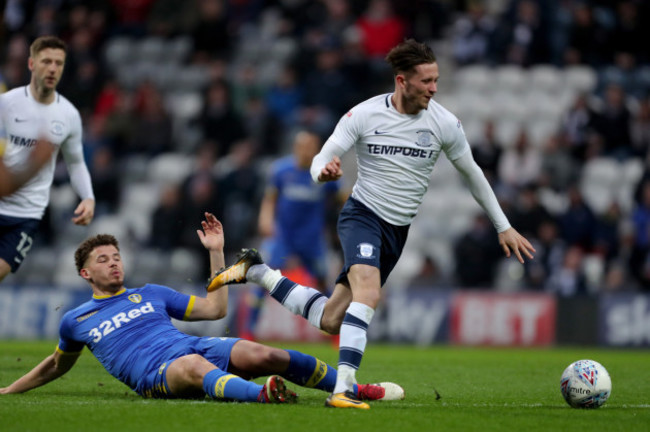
x=47 y=68
x=420 y=86
x=305 y=148
x=104 y=268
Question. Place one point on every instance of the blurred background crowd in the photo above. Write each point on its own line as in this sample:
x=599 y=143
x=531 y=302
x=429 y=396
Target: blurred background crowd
x=186 y=104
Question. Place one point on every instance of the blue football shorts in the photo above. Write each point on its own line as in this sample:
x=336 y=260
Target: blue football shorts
x=215 y=350
x=313 y=258
x=16 y=239
x=368 y=239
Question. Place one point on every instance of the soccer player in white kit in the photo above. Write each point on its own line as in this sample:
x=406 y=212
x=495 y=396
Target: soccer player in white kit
x=397 y=137
x=30 y=114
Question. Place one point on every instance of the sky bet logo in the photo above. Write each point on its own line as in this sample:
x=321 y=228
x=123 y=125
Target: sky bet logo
x=109 y=326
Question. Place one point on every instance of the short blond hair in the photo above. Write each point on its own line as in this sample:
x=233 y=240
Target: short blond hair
x=45 y=42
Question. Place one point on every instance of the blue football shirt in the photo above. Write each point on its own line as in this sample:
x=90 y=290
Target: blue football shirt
x=130 y=332
x=300 y=208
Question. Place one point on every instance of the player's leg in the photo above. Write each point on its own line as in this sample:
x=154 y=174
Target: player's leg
x=298 y=299
x=15 y=242
x=365 y=281
x=192 y=375
x=250 y=359
x=5 y=269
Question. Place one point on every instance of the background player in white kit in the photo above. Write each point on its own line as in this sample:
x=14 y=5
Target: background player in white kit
x=397 y=137
x=29 y=114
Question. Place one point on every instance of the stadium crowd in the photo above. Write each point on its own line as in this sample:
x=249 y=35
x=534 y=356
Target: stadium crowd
x=184 y=108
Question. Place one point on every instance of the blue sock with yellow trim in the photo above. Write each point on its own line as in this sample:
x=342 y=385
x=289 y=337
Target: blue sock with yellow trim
x=308 y=371
x=222 y=385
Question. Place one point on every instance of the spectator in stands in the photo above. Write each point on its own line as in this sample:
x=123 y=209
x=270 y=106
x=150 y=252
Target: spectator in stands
x=487 y=151
x=210 y=34
x=588 y=39
x=326 y=87
x=106 y=181
x=285 y=96
x=577 y=222
x=577 y=126
x=640 y=256
x=381 y=29
x=240 y=188
x=529 y=214
x=153 y=128
x=607 y=237
x=218 y=120
x=166 y=220
x=613 y=123
x=569 y=279
x=640 y=130
x=549 y=256
x=521 y=37
x=476 y=254
x=472 y=33
x=521 y=163
x=558 y=169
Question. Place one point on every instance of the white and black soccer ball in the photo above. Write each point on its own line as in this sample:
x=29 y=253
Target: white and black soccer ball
x=585 y=384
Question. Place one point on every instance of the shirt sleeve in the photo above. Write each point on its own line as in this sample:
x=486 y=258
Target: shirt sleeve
x=481 y=190
x=72 y=150
x=345 y=135
x=67 y=343
x=455 y=142
x=177 y=305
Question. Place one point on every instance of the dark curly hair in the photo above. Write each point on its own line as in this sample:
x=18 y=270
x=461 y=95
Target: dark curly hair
x=403 y=58
x=85 y=248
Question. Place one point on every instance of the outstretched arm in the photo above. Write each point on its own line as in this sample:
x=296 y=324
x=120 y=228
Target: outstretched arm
x=12 y=181
x=509 y=239
x=215 y=304
x=54 y=366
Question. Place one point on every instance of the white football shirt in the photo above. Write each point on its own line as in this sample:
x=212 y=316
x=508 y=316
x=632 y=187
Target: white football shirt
x=26 y=120
x=395 y=153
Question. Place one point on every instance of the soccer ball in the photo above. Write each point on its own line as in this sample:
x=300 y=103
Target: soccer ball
x=585 y=384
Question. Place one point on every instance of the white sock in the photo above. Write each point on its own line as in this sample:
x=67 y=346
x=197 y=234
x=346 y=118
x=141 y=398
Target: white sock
x=352 y=344
x=298 y=299
x=264 y=276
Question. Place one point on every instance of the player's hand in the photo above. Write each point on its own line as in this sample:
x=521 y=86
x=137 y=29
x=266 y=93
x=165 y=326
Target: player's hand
x=212 y=234
x=511 y=240
x=332 y=171
x=84 y=212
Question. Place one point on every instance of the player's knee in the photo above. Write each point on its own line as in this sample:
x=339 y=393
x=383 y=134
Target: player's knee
x=194 y=366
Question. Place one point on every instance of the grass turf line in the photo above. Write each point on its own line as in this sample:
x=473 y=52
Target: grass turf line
x=482 y=389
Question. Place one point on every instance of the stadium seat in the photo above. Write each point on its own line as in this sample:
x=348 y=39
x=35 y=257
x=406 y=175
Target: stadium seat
x=118 y=51
x=507 y=130
x=170 y=168
x=473 y=106
x=542 y=106
x=511 y=79
x=178 y=49
x=190 y=78
x=599 y=182
x=139 y=201
x=509 y=106
x=151 y=49
x=545 y=78
x=539 y=131
x=476 y=78
x=580 y=79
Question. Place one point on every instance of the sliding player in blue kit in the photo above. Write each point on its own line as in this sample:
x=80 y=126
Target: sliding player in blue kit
x=131 y=334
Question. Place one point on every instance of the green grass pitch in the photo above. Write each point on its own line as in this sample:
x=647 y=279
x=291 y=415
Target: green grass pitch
x=482 y=389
